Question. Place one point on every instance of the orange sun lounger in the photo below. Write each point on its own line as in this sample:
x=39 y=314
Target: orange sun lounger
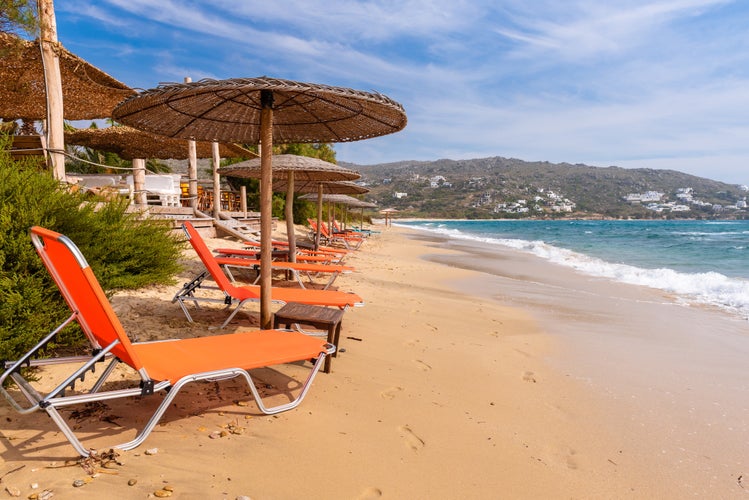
x=250 y=253
x=295 y=268
x=240 y=295
x=349 y=241
x=162 y=366
x=337 y=254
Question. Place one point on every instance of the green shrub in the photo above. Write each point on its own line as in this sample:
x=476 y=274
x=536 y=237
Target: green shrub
x=124 y=252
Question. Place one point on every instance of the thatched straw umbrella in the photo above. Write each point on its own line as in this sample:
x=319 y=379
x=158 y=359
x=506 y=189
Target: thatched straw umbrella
x=292 y=169
x=133 y=144
x=88 y=92
x=388 y=213
x=333 y=193
x=348 y=202
x=130 y=143
x=261 y=111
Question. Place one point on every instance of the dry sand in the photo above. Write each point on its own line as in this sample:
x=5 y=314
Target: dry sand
x=490 y=377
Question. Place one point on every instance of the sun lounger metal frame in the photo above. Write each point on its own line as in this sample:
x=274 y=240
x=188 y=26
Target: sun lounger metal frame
x=163 y=366
x=297 y=269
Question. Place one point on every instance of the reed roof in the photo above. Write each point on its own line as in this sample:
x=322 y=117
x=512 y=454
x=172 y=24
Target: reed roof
x=130 y=143
x=305 y=168
x=88 y=92
x=229 y=111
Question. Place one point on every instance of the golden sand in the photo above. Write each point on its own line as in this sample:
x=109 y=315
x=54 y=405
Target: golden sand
x=439 y=391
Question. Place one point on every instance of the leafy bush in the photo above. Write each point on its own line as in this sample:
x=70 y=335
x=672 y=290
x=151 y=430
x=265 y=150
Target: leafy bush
x=123 y=252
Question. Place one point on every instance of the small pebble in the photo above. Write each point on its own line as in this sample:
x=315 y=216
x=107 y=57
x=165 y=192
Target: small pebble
x=168 y=487
x=132 y=482
x=152 y=451
x=78 y=483
x=162 y=493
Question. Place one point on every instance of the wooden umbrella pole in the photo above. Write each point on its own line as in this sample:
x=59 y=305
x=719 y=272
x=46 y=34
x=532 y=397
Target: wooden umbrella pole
x=53 y=86
x=319 y=216
x=192 y=168
x=266 y=200
x=216 y=181
x=139 y=183
x=330 y=218
x=290 y=236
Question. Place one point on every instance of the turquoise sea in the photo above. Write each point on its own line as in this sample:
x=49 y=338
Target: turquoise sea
x=697 y=261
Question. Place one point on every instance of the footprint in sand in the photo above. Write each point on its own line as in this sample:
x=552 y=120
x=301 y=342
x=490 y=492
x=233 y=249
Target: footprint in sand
x=571 y=460
x=370 y=493
x=391 y=392
x=422 y=365
x=412 y=440
x=529 y=377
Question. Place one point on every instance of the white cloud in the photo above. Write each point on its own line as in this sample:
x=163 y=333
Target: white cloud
x=577 y=81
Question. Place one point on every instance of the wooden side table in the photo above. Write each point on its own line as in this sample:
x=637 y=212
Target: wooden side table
x=322 y=318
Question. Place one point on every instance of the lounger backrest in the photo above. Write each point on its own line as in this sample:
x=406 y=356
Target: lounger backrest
x=83 y=293
x=209 y=261
x=323 y=227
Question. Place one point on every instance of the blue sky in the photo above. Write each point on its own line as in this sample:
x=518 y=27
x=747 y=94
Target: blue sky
x=633 y=83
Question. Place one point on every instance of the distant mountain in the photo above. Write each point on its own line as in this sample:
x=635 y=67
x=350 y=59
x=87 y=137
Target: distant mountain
x=506 y=187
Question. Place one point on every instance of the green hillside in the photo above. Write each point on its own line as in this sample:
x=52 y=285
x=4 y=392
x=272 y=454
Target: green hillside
x=491 y=187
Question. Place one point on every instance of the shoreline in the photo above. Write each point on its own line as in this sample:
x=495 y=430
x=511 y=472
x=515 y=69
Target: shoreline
x=449 y=383
x=664 y=373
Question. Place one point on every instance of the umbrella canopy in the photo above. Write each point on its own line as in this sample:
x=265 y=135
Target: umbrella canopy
x=343 y=199
x=229 y=111
x=261 y=111
x=363 y=204
x=347 y=200
x=87 y=91
x=130 y=143
x=292 y=169
x=339 y=187
x=303 y=167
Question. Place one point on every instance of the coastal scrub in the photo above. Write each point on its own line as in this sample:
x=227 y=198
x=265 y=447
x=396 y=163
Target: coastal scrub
x=123 y=251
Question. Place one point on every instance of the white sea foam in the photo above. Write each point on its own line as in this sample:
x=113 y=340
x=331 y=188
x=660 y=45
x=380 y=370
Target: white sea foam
x=731 y=294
